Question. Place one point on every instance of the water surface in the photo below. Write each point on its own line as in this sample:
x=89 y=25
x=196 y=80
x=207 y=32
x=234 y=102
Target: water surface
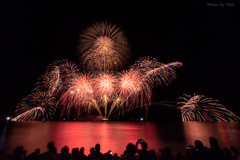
x=115 y=135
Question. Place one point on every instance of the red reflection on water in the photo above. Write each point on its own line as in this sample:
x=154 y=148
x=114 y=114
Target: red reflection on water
x=111 y=136
x=116 y=135
x=195 y=131
x=223 y=131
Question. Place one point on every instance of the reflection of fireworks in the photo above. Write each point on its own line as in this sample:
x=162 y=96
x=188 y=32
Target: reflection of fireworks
x=200 y=108
x=36 y=106
x=103 y=46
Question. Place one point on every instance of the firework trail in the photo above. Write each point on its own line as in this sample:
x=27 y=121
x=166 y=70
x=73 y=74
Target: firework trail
x=156 y=73
x=200 y=108
x=105 y=86
x=57 y=78
x=49 y=82
x=67 y=71
x=103 y=47
x=36 y=106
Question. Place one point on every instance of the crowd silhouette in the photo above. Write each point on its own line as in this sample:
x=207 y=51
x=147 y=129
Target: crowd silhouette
x=132 y=152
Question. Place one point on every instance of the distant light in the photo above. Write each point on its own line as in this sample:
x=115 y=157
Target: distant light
x=8 y=118
x=74 y=119
x=64 y=119
x=141 y=119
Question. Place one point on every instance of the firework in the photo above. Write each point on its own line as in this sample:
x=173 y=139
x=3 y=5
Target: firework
x=67 y=71
x=200 y=108
x=103 y=46
x=133 y=89
x=80 y=95
x=154 y=72
x=36 y=106
x=49 y=82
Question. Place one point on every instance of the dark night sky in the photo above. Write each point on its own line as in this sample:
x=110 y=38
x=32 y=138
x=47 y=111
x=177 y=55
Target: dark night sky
x=205 y=39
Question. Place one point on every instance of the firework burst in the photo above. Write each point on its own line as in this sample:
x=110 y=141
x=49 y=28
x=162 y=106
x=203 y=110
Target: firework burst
x=200 y=108
x=80 y=95
x=154 y=72
x=67 y=72
x=49 y=82
x=36 y=106
x=103 y=46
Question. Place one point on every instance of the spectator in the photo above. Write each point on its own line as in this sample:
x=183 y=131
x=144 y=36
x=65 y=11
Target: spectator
x=96 y=155
x=215 y=153
x=167 y=154
x=48 y=155
x=33 y=156
x=115 y=156
x=65 y=155
x=200 y=153
x=235 y=153
x=131 y=151
x=152 y=155
x=75 y=155
x=143 y=153
x=82 y=156
x=227 y=153
x=18 y=153
x=179 y=156
x=91 y=151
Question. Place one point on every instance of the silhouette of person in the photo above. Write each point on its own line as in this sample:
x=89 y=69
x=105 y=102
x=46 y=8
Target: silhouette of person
x=65 y=155
x=167 y=155
x=48 y=155
x=75 y=155
x=18 y=153
x=115 y=156
x=215 y=153
x=143 y=153
x=131 y=151
x=33 y=156
x=82 y=156
x=96 y=155
x=235 y=153
x=200 y=153
x=152 y=155
x=179 y=156
x=227 y=153
x=91 y=150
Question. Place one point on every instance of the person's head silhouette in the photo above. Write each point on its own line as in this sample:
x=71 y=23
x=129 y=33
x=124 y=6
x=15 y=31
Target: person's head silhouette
x=50 y=145
x=97 y=147
x=213 y=142
x=131 y=150
x=92 y=150
x=199 y=144
x=144 y=145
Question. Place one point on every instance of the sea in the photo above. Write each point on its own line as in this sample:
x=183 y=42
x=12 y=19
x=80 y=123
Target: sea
x=115 y=136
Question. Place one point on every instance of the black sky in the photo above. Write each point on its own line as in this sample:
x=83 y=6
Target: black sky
x=204 y=38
